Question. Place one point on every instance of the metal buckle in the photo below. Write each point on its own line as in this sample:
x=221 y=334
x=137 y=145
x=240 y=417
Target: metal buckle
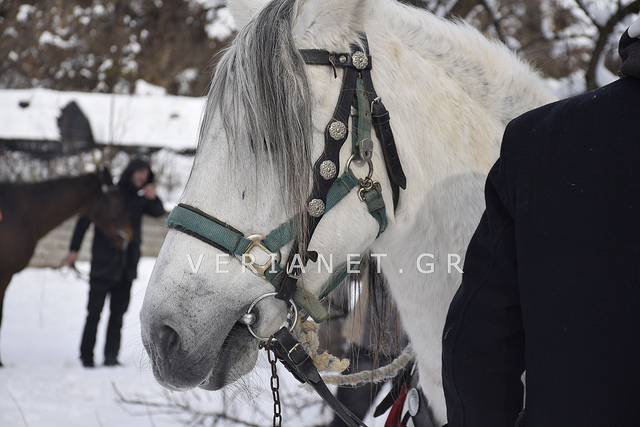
x=366 y=186
x=259 y=269
x=375 y=101
x=292 y=319
x=366 y=149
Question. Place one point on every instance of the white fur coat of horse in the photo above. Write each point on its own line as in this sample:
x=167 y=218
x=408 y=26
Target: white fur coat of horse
x=450 y=92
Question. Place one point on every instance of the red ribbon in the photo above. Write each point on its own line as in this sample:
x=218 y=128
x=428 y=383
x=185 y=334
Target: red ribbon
x=393 y=420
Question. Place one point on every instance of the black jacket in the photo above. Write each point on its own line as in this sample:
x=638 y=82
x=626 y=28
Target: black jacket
x=551 y=280
x=108 y=263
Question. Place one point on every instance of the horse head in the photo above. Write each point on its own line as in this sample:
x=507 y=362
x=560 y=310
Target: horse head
x=108 y=212
x=265 y=128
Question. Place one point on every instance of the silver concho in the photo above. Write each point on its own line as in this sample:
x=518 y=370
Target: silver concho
x=328 y=169
x=337 y=130
x=413 y=401
x=316 y=208
x=360 y=60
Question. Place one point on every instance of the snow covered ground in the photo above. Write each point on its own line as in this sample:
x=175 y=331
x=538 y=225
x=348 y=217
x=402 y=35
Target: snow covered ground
x=44 y=385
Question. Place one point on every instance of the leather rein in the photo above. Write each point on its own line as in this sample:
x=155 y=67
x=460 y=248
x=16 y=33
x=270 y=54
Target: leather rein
x=358 y=100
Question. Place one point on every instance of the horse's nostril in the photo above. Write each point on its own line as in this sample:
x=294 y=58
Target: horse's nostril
x=169 y=340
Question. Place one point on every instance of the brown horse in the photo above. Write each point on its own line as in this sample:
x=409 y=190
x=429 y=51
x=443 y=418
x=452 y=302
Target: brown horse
x=29 y=211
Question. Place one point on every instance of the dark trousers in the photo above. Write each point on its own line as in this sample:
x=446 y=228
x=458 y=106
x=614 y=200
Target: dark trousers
x=119 y=296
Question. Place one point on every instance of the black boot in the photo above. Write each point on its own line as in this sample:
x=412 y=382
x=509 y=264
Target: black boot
x=111 y=361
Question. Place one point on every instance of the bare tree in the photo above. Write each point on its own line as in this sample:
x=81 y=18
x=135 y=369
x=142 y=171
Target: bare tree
x=604 y=44
x=568 y=41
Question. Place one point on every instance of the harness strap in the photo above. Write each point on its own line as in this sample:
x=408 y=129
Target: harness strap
x=279 y=237
x=196 y=223
x=356 y=65
x=300 y=296
x=334 y=59
x=375 y=204
x=214 y=232
x=300 y=364
x=361 y=121
x=325 y=168
x=204 y=227
x=381 y=121
x=341 y=188
x=380 y=115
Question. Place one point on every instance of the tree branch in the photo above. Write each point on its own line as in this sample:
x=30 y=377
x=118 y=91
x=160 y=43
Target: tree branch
x=603 y=37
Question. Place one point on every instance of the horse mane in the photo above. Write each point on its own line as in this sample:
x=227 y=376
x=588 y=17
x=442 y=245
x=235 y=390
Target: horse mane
x=491 y=73
x=261 y=91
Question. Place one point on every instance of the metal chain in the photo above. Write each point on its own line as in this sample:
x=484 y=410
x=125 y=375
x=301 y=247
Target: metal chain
x=275 y=385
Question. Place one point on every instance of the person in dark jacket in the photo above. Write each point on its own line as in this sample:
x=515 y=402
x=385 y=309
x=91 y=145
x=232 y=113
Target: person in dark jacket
x=551 y=282
x=113 y=270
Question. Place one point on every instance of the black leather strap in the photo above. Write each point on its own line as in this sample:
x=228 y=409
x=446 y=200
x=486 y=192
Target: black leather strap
x=290 y=282
x=392 y=396
x=323 y=57
x=331 y=152
x=332 y=146
x=299 y=363
x=381 y=122
x=380 y=118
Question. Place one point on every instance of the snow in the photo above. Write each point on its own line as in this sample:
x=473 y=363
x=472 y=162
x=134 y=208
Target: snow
x=24 y=11
x=153 y=120
x=601 y=13
x=47 y=38
x=44 y=385
x=222 y=27
x=147 y=89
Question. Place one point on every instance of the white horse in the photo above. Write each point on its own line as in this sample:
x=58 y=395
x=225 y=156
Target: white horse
x=450 y=92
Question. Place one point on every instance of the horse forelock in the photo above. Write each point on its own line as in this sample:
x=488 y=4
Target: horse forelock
x=261 y=92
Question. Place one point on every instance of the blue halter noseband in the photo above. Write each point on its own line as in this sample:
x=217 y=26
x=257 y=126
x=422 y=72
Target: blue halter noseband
x=357 y=100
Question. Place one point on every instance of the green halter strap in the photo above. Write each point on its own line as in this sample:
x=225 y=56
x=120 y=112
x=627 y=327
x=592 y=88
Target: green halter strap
x=210 y=230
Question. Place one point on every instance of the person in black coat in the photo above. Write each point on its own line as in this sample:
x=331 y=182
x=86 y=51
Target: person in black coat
x=551 y=282
x=113 y=270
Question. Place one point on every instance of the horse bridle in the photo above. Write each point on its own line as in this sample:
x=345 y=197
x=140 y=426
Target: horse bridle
x=359 y=101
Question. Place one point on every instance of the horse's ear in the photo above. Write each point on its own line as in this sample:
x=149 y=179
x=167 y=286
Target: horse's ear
x=243 y=10
x=341 y=18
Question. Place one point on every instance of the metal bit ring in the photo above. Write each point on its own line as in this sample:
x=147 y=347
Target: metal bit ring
x=292 y=324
